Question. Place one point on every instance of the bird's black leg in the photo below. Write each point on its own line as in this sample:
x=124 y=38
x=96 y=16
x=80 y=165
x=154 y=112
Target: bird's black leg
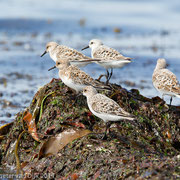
x=108 y=124
x=110 y=74
x=107 y=74
x=107 y=77
x=170 y=100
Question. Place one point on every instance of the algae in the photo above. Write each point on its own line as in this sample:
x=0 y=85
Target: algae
x=147 y=148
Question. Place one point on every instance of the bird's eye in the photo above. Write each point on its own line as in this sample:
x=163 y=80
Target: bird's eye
x=58 y=63
x=91 y=42
x=85 y=90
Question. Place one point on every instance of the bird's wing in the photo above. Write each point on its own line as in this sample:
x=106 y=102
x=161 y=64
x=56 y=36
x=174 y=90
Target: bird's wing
x=66 y=52
x=166 y=80
x=103 y=104
x=80 y=77
x=107 y=53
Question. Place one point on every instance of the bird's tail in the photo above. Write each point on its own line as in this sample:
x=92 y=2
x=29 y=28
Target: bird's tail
x=101 y=86
x=85 y=60
x=127 y=116
x=131 y=118
x=128 y=58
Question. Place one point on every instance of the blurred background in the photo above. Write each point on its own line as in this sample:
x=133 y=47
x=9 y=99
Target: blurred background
x=143 y=30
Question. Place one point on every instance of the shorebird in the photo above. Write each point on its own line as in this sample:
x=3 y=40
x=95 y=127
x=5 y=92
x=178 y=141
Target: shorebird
x=165 y=81
x=57 y=51
x=109 y=57
x=105 y=108
x=75 y=78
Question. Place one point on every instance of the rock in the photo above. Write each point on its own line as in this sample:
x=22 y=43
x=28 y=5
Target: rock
x=145 y=148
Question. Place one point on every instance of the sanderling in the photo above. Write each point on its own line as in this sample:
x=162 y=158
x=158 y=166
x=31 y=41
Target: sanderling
x=75 y=78
x=105 y=108
x=165 y=81
x=57 y=51
x=110 y=58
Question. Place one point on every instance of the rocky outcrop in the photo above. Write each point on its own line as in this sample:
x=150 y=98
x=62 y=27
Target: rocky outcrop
x=58 y=137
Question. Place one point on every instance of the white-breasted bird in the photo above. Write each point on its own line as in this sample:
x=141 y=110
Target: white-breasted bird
x=57 y=51
x=165 y=81
x=75 y=78
x=109 y=57
x=105 y=108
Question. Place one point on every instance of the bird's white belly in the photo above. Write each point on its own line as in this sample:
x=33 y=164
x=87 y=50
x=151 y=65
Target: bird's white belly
x=53 y=56
x=68 y=82
x=106 y=117
x=113 y=63
x=163 y=92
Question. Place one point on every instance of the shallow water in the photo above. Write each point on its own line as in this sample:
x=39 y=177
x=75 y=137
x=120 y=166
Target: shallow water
x=148 y=30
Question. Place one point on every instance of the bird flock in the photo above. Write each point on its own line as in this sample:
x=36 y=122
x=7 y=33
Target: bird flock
x=68 y=61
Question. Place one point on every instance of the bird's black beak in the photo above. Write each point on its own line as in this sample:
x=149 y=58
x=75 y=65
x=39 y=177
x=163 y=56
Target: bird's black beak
x=52 y=68
x=84 y=48
x=43 y=53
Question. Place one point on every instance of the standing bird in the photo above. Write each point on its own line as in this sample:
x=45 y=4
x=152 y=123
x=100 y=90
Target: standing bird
x=104 y=107
x=57 y=51
x=109 y=58
x=75 y=78
x=165 y=81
